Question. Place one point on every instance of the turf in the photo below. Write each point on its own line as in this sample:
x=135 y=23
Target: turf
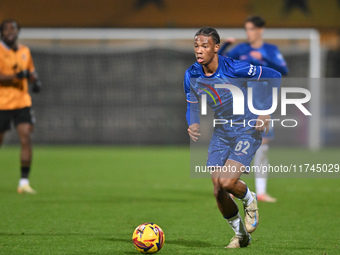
x=90 y=199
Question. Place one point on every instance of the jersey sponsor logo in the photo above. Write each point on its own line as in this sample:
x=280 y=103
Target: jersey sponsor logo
x=252 y=70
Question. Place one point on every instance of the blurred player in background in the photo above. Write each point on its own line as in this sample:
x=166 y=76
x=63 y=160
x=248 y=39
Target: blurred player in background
x=231 y=146
x=16 y=69
x=258 y=52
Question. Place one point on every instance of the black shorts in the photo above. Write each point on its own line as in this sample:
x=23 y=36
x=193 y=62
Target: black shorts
x=17 y=116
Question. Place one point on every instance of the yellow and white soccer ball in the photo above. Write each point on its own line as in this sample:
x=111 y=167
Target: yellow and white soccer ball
x=148 y=238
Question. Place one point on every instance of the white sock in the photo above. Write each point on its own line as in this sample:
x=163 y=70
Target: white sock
x=261 y=186
x=247 y=199
x=23 y=181
x=237 y=225
x=260 y=160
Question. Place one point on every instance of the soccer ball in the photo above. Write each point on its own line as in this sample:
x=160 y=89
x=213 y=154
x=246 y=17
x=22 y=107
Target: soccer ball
x=148 y=238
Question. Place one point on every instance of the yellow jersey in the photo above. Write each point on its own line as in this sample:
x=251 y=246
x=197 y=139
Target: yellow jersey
x=14 y=94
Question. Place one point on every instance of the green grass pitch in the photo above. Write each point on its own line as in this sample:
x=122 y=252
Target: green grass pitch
x=90 y=199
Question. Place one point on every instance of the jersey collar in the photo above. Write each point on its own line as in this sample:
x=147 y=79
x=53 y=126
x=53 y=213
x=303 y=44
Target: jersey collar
x=4 y=45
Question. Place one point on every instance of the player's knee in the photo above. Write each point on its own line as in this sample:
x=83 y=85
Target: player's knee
x=218 y=192
x=25 y=138
x=228 y=184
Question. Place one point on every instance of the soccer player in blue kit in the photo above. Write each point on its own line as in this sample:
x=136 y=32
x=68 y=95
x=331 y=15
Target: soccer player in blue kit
x=258 y=52
x=231 y=146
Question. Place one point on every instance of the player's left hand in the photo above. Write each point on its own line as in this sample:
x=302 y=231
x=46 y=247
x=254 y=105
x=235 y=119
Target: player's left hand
x=262 y=123
x=256 y=54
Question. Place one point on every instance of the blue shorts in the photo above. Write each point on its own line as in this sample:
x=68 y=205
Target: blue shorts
x=241 y=148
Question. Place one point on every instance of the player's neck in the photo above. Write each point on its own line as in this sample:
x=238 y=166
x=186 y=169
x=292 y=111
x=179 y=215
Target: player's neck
x=211 y=67
x=257 y=44
x=13 y=46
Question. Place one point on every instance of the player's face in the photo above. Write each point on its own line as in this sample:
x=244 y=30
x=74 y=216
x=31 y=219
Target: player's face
x=253 y=33
x=205 y=49
x=10 y=32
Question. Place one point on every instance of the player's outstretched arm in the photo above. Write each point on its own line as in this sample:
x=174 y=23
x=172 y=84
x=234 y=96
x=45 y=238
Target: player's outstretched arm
x=276 y=61
x=282 y=68
x=225 y=45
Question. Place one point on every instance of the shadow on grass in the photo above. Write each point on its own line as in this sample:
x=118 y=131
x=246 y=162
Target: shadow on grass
x=190 y=243
x=91 y=238
x=8 y=191
x=179 y=241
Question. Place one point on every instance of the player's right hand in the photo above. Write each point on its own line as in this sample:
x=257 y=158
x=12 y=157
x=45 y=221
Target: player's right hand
x=23 y=74
x=193 y=131
x=256 y=54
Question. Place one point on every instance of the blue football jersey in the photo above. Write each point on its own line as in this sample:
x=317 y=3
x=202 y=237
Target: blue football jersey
x=220 y=100
x=271 y=56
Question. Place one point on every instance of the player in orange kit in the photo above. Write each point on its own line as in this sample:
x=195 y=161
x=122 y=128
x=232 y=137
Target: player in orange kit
x=16 y=70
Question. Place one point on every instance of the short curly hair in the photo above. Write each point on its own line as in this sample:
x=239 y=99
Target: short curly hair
x=209 y=31
x=8 y=21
